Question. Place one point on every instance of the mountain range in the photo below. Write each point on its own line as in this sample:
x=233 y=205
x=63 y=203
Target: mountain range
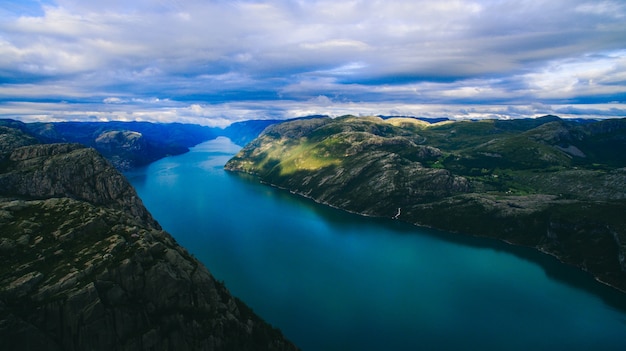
x=129 y=145
x=87 y=267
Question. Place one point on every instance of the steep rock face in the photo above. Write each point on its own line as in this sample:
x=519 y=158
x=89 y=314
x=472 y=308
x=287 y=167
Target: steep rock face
x=85 y=267
x=68 y=170
x=547 y=183
x=121 y=146
x=121 y=139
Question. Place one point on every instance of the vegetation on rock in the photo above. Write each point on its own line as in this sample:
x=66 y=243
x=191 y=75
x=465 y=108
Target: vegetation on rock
x=548 y=183
x=86 y=267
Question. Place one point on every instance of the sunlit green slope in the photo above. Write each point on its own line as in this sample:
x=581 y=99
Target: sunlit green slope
x=553 y=184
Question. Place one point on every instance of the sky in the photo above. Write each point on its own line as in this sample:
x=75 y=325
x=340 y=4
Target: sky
x=214 y=62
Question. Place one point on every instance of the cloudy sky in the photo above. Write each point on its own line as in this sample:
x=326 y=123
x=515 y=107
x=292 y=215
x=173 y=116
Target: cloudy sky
x=217 y=61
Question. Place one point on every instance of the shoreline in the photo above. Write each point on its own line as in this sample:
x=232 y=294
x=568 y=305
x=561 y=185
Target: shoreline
x=419 y=225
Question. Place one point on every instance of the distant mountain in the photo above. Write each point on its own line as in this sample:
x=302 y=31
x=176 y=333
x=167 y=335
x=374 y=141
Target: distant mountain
x=548 y=183
x=425 y=119
x=126 y=144
x=243 y=132
x=135 y=144
x=86 y=267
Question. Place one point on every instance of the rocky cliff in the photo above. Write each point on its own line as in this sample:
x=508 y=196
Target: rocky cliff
x=547 y=183
x=86 y=267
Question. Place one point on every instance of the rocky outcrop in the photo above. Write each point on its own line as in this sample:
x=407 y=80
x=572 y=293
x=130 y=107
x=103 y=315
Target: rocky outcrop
x=68 y=170
x=121 y=139
x=122 y=147
x=85 y=267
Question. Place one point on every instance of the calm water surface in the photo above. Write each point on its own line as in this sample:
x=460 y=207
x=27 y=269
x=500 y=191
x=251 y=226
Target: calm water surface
x=336 y=281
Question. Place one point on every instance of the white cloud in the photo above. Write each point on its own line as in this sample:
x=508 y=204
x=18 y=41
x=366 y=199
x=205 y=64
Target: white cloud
x=175 y=54
x=581 y=76
x=223 y=114
x=602 y=8
x=113 y=100
x=335 y=44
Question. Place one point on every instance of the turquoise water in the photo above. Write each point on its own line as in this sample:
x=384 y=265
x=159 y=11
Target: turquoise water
x=336 y=281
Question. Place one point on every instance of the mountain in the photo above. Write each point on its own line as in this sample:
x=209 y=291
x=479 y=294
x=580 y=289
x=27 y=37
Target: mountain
x=547 y=183
x=125 y=144
x=425 y=119
x=86 y=267
x=243 y=132
x=130 y=145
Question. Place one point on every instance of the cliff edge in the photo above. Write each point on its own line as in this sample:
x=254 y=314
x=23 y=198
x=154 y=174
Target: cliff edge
x=86 y=267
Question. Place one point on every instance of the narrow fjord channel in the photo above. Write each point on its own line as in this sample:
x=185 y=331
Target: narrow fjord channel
x=331 y=280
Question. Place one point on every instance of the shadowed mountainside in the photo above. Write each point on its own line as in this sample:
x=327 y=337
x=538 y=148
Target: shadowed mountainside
x=244 y=132
x=86 y=267
x=548 y=183
x=126 y=144
x=129 y=145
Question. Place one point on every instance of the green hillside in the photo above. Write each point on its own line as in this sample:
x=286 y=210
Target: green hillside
x=549 y=183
